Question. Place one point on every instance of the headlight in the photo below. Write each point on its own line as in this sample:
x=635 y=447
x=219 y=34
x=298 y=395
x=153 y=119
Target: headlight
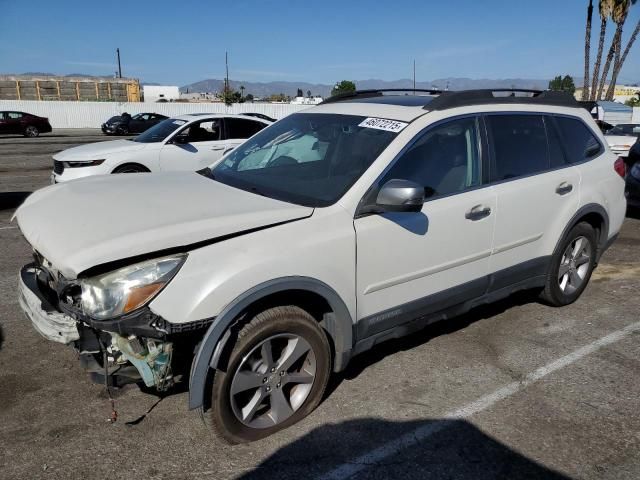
x=83 y=163
x=122 y=291
x=635 y=170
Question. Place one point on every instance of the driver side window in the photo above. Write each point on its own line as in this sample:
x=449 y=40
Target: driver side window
x=445 y=159
x=204 y=131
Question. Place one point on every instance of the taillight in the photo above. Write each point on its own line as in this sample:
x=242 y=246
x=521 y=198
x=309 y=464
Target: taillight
x=620 y=167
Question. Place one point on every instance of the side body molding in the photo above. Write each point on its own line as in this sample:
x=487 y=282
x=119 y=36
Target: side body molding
x=339 y=325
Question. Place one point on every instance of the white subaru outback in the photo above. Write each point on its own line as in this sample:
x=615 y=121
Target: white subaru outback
x=360 y=220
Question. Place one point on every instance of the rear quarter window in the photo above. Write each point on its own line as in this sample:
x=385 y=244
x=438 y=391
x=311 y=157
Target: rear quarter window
x=519 y=145
x=580 y=143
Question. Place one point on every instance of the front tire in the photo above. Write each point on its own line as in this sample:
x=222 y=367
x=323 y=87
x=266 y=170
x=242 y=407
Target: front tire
x=571 y=266
x=277 y=373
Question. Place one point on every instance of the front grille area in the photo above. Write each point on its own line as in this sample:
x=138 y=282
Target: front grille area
x=58 y=167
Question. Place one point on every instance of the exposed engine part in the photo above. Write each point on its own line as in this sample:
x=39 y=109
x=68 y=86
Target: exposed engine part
x=151 y=358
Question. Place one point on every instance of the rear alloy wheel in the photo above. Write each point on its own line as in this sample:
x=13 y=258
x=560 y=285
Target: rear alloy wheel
x=277 y=374
x=31 y=131
x=571 y=266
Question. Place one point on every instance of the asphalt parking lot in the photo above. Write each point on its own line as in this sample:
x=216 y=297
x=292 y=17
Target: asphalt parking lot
x=513 y=390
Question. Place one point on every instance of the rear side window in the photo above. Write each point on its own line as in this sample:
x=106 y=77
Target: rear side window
x=556 y=154
x=240 y=128
x=579 y=141
x=519 y=145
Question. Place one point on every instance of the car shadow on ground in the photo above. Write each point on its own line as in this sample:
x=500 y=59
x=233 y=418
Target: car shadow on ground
x=374 y=448
x=10 y=200
x=361 y=362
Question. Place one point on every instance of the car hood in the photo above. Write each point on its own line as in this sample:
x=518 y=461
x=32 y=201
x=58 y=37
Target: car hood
x=96 y=151
x=81 y=224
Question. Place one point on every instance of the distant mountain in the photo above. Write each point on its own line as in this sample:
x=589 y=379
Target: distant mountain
x=262 y=89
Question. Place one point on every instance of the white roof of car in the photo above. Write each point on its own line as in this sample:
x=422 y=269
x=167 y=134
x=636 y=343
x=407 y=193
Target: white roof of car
x=189 y=117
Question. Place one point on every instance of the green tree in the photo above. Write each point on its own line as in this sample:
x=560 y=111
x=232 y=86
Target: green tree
x=345 y=86
x=563 y=84
x=633 y=102
x=249 y=97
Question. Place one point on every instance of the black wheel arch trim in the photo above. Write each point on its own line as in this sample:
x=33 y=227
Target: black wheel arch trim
x=339 y=327
x=582 y=212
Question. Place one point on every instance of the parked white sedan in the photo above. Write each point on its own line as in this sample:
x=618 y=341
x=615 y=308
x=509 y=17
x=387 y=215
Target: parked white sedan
x=188 y=142
x=622 y=137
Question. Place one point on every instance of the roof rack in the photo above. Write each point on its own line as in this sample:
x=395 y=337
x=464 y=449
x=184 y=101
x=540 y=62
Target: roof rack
x=378 y=92
x=451 y=99
x=487 y=97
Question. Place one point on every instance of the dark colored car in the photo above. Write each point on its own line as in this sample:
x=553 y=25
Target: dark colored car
x=126 y=124
x=23 y=123
x=631 y=129
x=632 y=189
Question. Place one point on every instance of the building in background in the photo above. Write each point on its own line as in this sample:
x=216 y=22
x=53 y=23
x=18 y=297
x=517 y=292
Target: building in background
x=306 y=100
x=621 y=93
x=48 y=87
x=160 y=93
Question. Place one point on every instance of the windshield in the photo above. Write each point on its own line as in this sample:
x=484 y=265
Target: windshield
x=160 y=131
x=305 y=158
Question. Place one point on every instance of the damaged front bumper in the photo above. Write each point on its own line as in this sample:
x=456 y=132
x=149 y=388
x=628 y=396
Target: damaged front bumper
x=48 y=322
x=139 y=347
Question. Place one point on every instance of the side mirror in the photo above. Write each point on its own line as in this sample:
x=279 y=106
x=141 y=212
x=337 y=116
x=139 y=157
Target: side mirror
x=400 y=196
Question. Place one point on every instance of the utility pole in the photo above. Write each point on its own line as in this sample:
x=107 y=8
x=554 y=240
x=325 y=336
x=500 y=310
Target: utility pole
x=414 y=76
x=119 y=66
x=226 y=78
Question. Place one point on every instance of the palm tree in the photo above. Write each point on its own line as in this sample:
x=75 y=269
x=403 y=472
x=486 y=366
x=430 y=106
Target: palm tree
x=587 y=51
x=619 y=15
x=242 y=91
x=605 y=7
x=619 y=61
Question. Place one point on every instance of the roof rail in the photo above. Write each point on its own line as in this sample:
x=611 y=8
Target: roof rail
x=452 y=99
x=376 y=92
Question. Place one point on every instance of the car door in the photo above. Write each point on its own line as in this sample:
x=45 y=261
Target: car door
x=237 y=130
x=194 y=147
x=413 y=264
x=4 y=123
x=14 y=122
x=538 y=193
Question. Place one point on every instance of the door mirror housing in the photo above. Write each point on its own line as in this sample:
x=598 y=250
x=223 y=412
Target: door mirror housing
x=400 y=196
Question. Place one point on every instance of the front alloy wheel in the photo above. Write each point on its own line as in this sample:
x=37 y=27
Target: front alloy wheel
x=276 y=375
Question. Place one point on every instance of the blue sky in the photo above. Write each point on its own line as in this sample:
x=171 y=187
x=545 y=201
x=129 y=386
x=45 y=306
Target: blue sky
x=179 y=42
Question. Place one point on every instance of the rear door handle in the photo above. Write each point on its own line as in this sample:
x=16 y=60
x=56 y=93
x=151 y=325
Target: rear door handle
x=564 y=188
x=478 y=213
x=217 y=148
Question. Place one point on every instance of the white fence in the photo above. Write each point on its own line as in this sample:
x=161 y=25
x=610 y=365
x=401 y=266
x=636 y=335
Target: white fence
x=636 y=115
x=93 y=114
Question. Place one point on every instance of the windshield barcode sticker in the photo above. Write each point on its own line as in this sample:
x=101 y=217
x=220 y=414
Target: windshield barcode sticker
x=383 y=124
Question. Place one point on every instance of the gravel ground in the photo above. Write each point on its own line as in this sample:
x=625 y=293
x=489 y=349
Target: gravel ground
x=512 y=390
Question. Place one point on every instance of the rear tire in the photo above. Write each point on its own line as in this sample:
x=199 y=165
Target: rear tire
x=277 y=373
x=31 y=131
x=131 y=168
x=571 y=266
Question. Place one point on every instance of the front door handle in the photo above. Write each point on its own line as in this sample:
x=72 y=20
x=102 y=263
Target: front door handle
x=564 y=188
x=217 y=148
x=478 y=213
